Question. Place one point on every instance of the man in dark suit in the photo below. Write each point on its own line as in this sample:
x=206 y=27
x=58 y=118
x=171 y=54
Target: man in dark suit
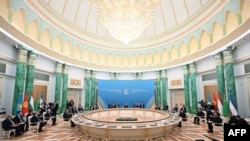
x=71 y=103
x=216 y=119
x=9 y=124
x=126 y=105
x=183 y=115
x=36 y=120
x=240 y=120
x=74 y=109
x=183 y=108
x=18 y=119
x=209 y=114
x=67 y=117
x=50 y=115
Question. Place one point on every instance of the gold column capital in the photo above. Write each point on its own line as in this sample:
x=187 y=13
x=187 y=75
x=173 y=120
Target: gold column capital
x=192 y=67
x=218 y=59
x=22 y=55
x=66 y=69
x=228 y=56
x=59 y=67
x=163 y=73
x=158 y=74
x=185 y=69
x=32 y=59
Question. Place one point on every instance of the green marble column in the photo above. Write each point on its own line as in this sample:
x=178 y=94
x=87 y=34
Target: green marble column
x=19 y=80
x=30 y=77
x=158 y=91
x=229 y=75
x=87 y=84
x=221 y=83
x=58 y=86
x=194 y=106
x=65 y=88
x=164 y=88
x=186 y=86
x=93 y=89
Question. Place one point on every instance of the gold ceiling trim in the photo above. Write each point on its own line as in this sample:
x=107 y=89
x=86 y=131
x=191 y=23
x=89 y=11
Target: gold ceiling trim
x=68 y=60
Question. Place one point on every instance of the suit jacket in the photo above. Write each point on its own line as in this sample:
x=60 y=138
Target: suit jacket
x=74 y=110
x=183 y=115
x=7 y=124
x=35 y=119
x=184 y=109
x=66 y=116
x=241 y=121
x=48 y=115
x=18 y=119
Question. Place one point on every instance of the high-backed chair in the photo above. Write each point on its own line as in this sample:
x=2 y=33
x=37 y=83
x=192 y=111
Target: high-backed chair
x=33 y=125
x=44 y=118
x=64 y=120
x=217 y=128
x=6 y=133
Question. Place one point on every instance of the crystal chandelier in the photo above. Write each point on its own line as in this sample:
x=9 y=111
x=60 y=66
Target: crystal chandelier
x=125 y=19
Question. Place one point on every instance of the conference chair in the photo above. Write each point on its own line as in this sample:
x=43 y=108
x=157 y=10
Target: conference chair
x=6 y=133
x=33 y=125
x=217 y=128
x=64 y=120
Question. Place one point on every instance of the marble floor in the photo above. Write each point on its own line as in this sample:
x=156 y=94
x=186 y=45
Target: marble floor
x=188 y=132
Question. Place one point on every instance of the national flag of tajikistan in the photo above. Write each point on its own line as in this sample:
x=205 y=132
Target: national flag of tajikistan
x=220 y=107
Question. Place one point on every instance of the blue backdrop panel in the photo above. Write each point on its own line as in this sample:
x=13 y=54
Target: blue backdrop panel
x=125 y=91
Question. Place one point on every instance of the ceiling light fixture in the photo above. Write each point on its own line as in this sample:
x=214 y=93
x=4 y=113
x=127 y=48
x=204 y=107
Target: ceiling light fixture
x=126 y=19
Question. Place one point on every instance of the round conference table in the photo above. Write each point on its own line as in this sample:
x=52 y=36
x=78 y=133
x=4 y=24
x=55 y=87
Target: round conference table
x=133 y=124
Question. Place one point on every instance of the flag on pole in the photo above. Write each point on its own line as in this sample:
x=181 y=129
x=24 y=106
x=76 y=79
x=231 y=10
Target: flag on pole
x=220 y=107
x=209 y=98
x=37 y=104
x=25 y=108
x=215 y=102
x=32 y=101
x=232 y=104
x=19 y=103
x=41 y=99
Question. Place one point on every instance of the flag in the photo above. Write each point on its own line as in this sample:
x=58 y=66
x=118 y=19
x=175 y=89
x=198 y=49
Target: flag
x=215 y=102
x=209 y=98
x=220 y=107
x=41 y=99
x=37 y=104
x=232 y=105
x=32 y=101
x=19 y=103
x=25 y=108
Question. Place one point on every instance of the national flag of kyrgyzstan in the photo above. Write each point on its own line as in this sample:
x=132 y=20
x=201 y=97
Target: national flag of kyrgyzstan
x=25 y=108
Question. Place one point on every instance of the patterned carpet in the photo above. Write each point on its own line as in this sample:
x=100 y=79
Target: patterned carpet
x=188 y=132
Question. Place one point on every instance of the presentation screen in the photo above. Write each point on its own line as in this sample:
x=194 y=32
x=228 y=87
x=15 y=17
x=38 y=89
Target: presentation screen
x=123 y=92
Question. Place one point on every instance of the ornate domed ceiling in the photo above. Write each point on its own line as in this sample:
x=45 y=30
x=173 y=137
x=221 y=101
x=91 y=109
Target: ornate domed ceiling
x=69 y=31
x=173 y=19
